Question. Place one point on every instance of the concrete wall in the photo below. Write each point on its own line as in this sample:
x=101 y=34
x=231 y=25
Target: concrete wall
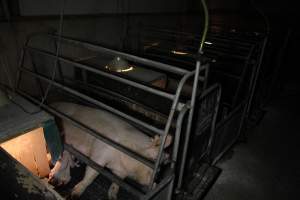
x=228 y=5
x=79 y=7
x=8 y=52
x=2 y=14
x=107 y=31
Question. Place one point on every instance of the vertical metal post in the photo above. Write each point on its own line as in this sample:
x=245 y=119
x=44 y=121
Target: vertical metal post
x=189 y=125
x=256 y=75
x=213 y=126
x=56 y=46
x=169 y=122
x=246 y=64
x=58 y=49
x=19 y=72
x=38 y=81
x=176 y=145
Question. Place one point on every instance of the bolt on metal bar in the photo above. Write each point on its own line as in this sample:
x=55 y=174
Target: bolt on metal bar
x=96 y=102
x=102 y=73
x=102 y=171
x=154 y=64
x=92 y=132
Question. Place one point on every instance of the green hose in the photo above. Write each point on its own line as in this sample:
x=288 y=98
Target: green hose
x=205 y=25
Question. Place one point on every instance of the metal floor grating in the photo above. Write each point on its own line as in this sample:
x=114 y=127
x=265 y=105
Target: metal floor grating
x=96 y=191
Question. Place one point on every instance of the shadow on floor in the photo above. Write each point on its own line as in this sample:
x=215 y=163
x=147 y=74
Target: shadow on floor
x=267 y=166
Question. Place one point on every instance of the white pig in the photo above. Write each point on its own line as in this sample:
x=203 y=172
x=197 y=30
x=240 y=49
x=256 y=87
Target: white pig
x=119 y=163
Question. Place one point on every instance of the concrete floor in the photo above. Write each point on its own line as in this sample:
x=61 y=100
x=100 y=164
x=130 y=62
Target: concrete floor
x=267 y=166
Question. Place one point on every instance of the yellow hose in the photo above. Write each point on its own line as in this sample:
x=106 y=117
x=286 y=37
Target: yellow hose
x=206 y=18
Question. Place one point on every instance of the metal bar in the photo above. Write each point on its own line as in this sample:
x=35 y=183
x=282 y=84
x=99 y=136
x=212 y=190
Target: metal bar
x=92 y=132
x=223 y=123
x=21 y=62
x=229 y=50
x=102 y=73
x=155 y=115
x=178 y=134
x=57 y=51
x=154 y=64
x=96 y=102
x=227 y=74
x=197 y=37
x=213 y=124
x=19 y=74
x=169 y=122
x=189 y=126
x=159 y=187
x=102 y=171
x=56 y=46
x=242 y=77
x=214 y=52
x=170 y=190
x=176 y=145
x=238 y=40
x=254 y=78
x=157 y=54
x=207 y=68
x=38 y=81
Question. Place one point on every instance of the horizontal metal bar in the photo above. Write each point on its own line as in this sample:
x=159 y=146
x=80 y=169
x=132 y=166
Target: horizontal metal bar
x=110 y=94
x=96 y=102
x=172 y=41
x=154 y=64
x=198 y=37
x=102 y=171
x=238 y=78
x=214 y=53
x=92 y=132
x=108 y=75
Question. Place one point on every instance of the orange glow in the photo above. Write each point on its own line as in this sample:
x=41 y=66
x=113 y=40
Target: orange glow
x=30 y=150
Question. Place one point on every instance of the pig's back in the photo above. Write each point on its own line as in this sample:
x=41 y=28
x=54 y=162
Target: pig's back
x=107 y=124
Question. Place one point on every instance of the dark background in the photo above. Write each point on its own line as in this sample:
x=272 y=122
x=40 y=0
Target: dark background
x=281 y=63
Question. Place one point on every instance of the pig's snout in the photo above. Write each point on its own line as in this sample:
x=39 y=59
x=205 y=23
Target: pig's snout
x=59 y=178
x=53 y=181
x=57 y=182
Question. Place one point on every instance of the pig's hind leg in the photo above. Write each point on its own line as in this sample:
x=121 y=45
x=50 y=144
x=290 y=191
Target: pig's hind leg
x=113 y=191
x=89 y=177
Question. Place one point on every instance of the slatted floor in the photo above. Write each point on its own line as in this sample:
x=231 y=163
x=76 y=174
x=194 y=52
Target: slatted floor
x=96 y=191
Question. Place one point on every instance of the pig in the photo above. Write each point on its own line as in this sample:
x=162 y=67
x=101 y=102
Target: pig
x=105 y=155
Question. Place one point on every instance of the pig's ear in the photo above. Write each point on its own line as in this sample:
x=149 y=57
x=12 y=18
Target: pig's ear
x=155 y=141
x=168 y=141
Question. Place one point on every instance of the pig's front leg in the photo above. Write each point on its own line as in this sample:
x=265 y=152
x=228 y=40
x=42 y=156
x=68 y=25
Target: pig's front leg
x=89 y=177
x=114 y=188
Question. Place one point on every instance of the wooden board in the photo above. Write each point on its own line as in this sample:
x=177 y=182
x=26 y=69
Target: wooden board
x=30 y=150
x=18 y=183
